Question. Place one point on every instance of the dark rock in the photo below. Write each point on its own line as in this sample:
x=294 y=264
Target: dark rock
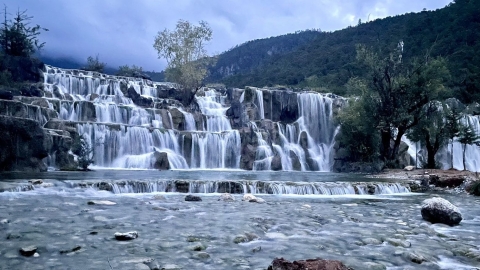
x=438 y=210
x=192 y=198
x=66 y=251
x=99 y=202
x=126 y=236
x=444 y=182
x=23 y=145
x=276 y=163
x=474 y=188
x=28 y=251
x=310 y=264
x=138 y=99
x=161 y=161
x=4 y=94
x=235 y=114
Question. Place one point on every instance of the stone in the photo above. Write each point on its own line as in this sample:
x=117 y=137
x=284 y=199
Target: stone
x=4 y=221
x=439 y=210
x=251 y=198
x=320 y=264
x=202 y=255
x=226 y=197
x=409 y=168
x=66 y=251
x=101 y=202
x=35 y=182
x=126 y=236
x=256 y=249
x=24 y=145
x=192 y=198
x=199 y=247
x=161 y=161
x=28 y=251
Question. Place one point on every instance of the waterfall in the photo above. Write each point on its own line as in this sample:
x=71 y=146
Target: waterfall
x=124 y=135
x=246 y=186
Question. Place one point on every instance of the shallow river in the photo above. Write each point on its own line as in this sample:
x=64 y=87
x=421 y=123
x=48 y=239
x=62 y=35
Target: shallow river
x=380 y=231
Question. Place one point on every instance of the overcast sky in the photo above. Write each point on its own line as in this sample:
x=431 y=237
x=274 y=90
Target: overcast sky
x=122 y=31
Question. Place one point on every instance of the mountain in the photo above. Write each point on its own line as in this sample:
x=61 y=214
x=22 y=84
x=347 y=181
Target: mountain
x=328 y=59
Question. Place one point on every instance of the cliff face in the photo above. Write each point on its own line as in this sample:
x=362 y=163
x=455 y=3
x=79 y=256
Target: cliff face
x=136 y=123
x=24 y=145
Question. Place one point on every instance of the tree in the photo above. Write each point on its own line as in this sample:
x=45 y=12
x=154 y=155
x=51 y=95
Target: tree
x=94 y=64
x=17 y=37
x=184 y=51
x=128 y=71
x=431 y=131
x=399 y=90
x=467 y=136
x=84 y=152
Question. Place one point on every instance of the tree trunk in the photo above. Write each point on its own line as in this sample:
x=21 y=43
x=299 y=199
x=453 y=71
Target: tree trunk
x=451 y=157
x=464 y=148
x=386 y=137
x=396 y=145
x=430 y=154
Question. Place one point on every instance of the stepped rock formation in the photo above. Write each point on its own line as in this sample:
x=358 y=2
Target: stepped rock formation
x=137 y=123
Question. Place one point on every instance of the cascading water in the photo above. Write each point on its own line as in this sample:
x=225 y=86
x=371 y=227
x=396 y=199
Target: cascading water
x=124 y=135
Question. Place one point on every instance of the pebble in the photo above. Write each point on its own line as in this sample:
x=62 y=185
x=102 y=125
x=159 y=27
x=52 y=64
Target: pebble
x=126 y=236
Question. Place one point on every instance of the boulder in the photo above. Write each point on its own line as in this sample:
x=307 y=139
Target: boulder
x=409 y=168
x=226 y=197
x=438 y=210
x=192 y=198
x=161 y=161
x=126 y=236
x=313 y=264
x=28 y=251
x=252 y=198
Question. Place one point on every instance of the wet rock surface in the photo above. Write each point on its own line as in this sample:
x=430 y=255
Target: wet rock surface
x=314 y=264
x=439 y=210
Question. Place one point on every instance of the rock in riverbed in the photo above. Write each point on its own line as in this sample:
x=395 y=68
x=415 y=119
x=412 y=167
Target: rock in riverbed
x=96 y=202
x=126 y=236
x=226 y=197
x=192 y=198
x=28 y=251
x=252 y=198
x=282 y=264
x=438 y=210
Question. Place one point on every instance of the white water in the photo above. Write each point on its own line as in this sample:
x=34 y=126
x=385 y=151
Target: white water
x=124 y=135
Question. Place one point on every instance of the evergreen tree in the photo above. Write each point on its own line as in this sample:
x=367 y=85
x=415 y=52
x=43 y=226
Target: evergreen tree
x=467 y=136
x=17 y=37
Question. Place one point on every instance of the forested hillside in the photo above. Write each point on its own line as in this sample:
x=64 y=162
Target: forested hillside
x=328 y=59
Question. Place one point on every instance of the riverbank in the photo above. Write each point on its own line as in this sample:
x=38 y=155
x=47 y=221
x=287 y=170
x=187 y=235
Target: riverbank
x=432 y=179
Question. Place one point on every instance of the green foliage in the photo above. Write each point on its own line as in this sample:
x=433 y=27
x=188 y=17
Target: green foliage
x=17 y=37
x=467 y=136
x=431 y=131
x=400 y=88
x=358 y=134
x=94 y=64
x=128 y=71
x=184 y=51
x=84 y=152
x=451 y=32
x=474 y=188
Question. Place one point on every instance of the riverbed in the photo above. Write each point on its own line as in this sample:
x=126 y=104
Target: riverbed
x=383 y=230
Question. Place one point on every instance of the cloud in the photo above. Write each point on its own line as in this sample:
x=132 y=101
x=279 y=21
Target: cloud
x=122 y=32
